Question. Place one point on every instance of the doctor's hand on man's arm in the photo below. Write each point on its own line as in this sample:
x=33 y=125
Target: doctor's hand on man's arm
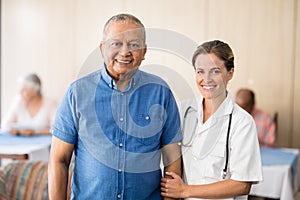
x=172 y=161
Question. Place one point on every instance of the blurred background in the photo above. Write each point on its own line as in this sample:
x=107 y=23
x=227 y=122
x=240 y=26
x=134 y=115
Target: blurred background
x=57 y=39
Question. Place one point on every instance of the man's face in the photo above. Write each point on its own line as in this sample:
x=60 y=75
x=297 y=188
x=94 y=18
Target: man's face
x=123 y=48
x=243 y=99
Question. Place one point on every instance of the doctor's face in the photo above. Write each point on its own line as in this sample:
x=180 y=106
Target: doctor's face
x=212 y=76
x=123 y=48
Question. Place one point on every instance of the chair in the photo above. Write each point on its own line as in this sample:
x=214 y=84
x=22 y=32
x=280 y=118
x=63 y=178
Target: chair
x=26 y=180
x=3 y=195
x=275 y=118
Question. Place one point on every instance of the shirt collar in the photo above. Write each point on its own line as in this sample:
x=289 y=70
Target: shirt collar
x=113 y=85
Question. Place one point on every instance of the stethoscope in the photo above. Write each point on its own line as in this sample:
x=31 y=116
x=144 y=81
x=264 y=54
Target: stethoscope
x=189 y=143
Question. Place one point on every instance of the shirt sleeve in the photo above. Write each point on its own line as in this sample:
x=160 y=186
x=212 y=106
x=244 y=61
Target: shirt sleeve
x=270 y=136
x=171 y=131
x=65 y=126
x=245 y=160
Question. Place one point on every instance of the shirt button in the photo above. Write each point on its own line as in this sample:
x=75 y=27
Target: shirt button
x=121 y=119
x=119 y=170
x=147 y=117
x=119 y=196
x=121 y=144
x=122 y=93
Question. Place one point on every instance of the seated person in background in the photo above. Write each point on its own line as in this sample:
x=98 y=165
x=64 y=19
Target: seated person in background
x=31 y=113
x=264 y=122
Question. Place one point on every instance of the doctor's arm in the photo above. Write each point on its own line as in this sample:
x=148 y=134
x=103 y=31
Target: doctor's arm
x=172 y=160
x=176 y=188
x=60 y=156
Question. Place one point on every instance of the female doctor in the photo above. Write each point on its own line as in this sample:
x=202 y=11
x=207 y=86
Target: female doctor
x=221 y=156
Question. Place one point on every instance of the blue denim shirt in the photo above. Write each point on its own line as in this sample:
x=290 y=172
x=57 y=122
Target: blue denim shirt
x=118 y=135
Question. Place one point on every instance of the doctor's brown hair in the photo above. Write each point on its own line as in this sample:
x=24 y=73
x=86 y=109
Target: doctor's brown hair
x=219 y=48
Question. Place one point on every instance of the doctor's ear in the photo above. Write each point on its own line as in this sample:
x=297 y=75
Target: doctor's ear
x=230 y=73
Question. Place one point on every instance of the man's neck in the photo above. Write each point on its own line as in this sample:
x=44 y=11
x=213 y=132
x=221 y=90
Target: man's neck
x=123 y=80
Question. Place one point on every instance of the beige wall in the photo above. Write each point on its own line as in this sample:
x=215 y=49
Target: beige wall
x=55 y=37
x=296 y=93
x=37 y=36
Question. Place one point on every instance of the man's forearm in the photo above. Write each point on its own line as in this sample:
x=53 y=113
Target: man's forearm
x=58 y=181
x=175 y=166
x=172 y=160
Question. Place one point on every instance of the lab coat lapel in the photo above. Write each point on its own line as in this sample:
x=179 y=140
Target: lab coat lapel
x=214 y=126
x=209 y=123
x=209 y=134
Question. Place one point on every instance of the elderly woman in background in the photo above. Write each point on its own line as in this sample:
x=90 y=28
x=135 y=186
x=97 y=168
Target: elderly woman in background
x=32 y=113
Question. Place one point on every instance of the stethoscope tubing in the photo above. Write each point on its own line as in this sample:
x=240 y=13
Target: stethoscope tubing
x=189 y=143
